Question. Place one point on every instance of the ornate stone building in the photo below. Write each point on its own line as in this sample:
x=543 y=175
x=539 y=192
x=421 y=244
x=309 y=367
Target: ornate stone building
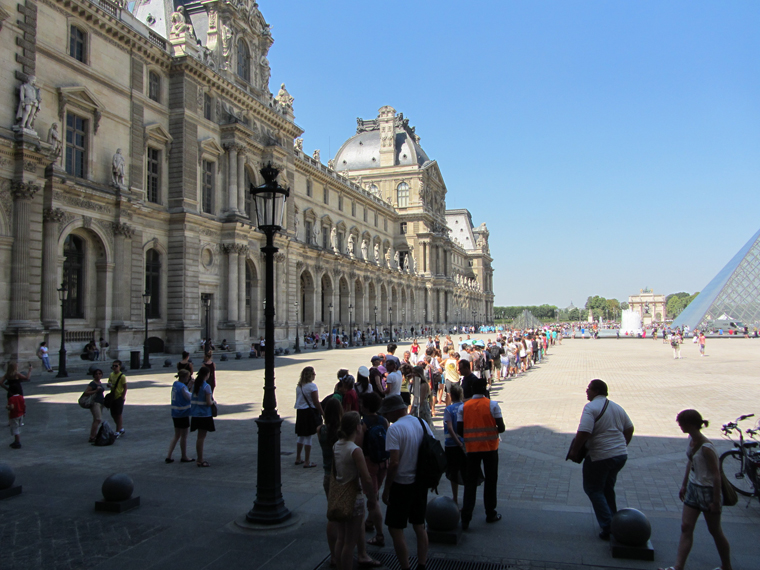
x=128 y=143
x=651 y=307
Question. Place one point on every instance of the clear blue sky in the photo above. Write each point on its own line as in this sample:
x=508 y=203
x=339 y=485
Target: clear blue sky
x=608 y=145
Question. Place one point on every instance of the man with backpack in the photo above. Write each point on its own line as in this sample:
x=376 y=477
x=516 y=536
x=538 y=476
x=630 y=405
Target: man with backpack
x=480 y=422
x=404 y=493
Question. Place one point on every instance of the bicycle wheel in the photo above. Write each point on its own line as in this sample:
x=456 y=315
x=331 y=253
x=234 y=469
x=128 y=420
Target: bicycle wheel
x=731 y=467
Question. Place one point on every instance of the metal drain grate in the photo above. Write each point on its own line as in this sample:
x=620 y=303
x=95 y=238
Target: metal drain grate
x=391 y=563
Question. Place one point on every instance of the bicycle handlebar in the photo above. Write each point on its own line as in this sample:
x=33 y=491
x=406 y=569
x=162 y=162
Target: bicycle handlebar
x=745 y=417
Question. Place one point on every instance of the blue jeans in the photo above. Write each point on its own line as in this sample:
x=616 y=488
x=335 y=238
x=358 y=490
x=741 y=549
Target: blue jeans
x=46 y=362
x=599 y=479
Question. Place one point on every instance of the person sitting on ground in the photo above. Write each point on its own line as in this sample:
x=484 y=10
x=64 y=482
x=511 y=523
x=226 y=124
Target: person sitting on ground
x=224 y=345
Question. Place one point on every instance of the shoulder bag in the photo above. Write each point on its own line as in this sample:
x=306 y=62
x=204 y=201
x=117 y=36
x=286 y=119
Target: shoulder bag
x=341 y=497
x=315 y=416
x=86 y=401
x=584 y=450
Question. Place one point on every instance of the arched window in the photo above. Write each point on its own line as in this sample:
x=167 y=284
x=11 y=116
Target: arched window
x=243 y=61
x=248 y=197
x=153 y=282
x=248 y=289
x=73 y=277
x=402 y=195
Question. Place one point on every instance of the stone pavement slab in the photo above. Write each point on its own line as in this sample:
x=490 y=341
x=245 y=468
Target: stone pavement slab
x=186 y=513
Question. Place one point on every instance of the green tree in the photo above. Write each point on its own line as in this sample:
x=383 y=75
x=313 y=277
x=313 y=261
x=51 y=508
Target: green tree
x=574 y=314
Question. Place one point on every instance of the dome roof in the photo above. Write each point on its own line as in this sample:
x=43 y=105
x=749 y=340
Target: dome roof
x=362 y=151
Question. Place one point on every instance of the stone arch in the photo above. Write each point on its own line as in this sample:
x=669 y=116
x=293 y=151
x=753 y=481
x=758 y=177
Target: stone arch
x=404 y=312
x=96 y=272
x=383 y=307
x=360 y=315
x=254 y=311
x=326 y=297
x=372 y=302
x=306 y=297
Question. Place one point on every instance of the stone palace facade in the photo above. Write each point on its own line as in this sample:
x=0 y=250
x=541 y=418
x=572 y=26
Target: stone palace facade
x=128 y=143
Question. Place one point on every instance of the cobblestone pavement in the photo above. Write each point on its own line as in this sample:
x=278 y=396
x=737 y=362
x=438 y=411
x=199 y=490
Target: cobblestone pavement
x=52 y=525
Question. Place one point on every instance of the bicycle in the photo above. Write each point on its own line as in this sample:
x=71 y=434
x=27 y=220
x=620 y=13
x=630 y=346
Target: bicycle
x=741 y=465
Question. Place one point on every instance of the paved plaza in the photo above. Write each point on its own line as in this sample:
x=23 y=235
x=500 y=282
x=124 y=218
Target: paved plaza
x=187 y=515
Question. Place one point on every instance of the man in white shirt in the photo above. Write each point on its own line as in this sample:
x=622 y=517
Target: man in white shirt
x=393 y=380
x=406 y=500
x=606 y=430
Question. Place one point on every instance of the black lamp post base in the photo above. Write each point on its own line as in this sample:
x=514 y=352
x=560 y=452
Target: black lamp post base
x=269 y=506
x=62 y=373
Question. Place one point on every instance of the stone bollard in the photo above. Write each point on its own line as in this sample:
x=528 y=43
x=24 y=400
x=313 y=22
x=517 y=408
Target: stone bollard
x=630 y=531
x=117 y=492
x=7 y=478
x=238 y=355
x=167 y=363
x=223 y=358
x=442 y=518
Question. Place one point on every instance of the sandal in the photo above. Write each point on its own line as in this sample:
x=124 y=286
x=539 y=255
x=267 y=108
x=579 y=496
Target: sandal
x=309 y=465
x=186 y=460
x=203 y=464
x=377 y=540
x=167 y=460
x=300 y=462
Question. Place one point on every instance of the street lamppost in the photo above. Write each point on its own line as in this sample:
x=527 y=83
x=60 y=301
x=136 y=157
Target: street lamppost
x=377 y=340
x=269 y=506
x=330 y=333
x=390 y=321
x=63 y=295
x=457 y=311
x=207 y=305
x=351 y=325
x=146 y=355
x=403 y=319
x=424 y=320
x=297 y=348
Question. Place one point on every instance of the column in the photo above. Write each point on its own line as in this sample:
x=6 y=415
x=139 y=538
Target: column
x=241 y=189
x=242 y=255
x=232 y=190
x=232 y=282
x=22 y=192
x=121 y=284
x=50 y=305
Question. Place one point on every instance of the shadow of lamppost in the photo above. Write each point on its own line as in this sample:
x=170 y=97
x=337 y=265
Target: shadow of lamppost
x=351 y=325
x=297 y=348
x=146 y=355
x=330 y=332
x=377 y=339
x=269 y=506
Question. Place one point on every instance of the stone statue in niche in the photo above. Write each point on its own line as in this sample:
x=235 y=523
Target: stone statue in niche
x=351 y=242
x=298 y=145
x=226 y=46
x=406 y=262
x=284 y=99
x=388 y=258
x=54 y=139
x=365 y=247
x=377 y=253
x=266 y=72
x=315 y=155
x=334 y=239
x=295 y=224
x=117 y=169
x=397 y=260
x=29 y=102
x=315 y=234
x=180 y=27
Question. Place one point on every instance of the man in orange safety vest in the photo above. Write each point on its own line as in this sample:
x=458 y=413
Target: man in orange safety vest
x=480 y=422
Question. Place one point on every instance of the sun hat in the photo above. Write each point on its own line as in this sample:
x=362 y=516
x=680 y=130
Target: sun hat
x=363 y=371
x=392 y=404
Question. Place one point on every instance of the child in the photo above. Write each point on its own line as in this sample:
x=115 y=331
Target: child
x=16 y=410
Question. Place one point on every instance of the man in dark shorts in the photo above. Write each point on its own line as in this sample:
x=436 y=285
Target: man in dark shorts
x=405 y=498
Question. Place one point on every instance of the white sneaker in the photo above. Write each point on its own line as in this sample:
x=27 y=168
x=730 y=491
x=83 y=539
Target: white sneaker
x=120 y=433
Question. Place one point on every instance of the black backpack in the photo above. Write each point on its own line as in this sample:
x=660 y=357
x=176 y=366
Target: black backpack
x=106 y=436
x=374 y=443
x=431 y=461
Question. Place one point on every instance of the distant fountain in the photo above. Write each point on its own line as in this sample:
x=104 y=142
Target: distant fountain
x=631 y=322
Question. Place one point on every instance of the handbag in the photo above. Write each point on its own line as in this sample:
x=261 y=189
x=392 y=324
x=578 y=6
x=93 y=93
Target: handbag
x=584 y=450
x=108 y=400
x=341 y=498
x=214 y=410
x=86 y=401
x=730 y=498
x=316 y=417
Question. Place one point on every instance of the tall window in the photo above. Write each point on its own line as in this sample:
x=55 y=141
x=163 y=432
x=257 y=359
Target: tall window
x=243 y=61
x=402 y=228
x=307 y=228
x=353 y=208
x=385 y=224
x=73 y=276
x=325 y=237
x=154 y=86
x=308 y=187
x=76 y=145
x=248 y=198
x=340 y=242
x=153 y=182
x=248 y=289
x=207 y=186
x=326 y=195
x=402 y=195
x=340 y=202
x=77 y=44
x=208 y=107
x=375 y=219
x=153 y=283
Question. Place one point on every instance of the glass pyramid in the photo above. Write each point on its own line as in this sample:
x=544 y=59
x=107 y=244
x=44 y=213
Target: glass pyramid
x=527 y=320
x=732 y=295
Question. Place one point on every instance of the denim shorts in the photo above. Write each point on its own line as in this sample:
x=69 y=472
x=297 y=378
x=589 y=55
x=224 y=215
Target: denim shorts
x=698 y=497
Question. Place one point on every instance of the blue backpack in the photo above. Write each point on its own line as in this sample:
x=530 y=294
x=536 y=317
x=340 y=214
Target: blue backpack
x=374 y=443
